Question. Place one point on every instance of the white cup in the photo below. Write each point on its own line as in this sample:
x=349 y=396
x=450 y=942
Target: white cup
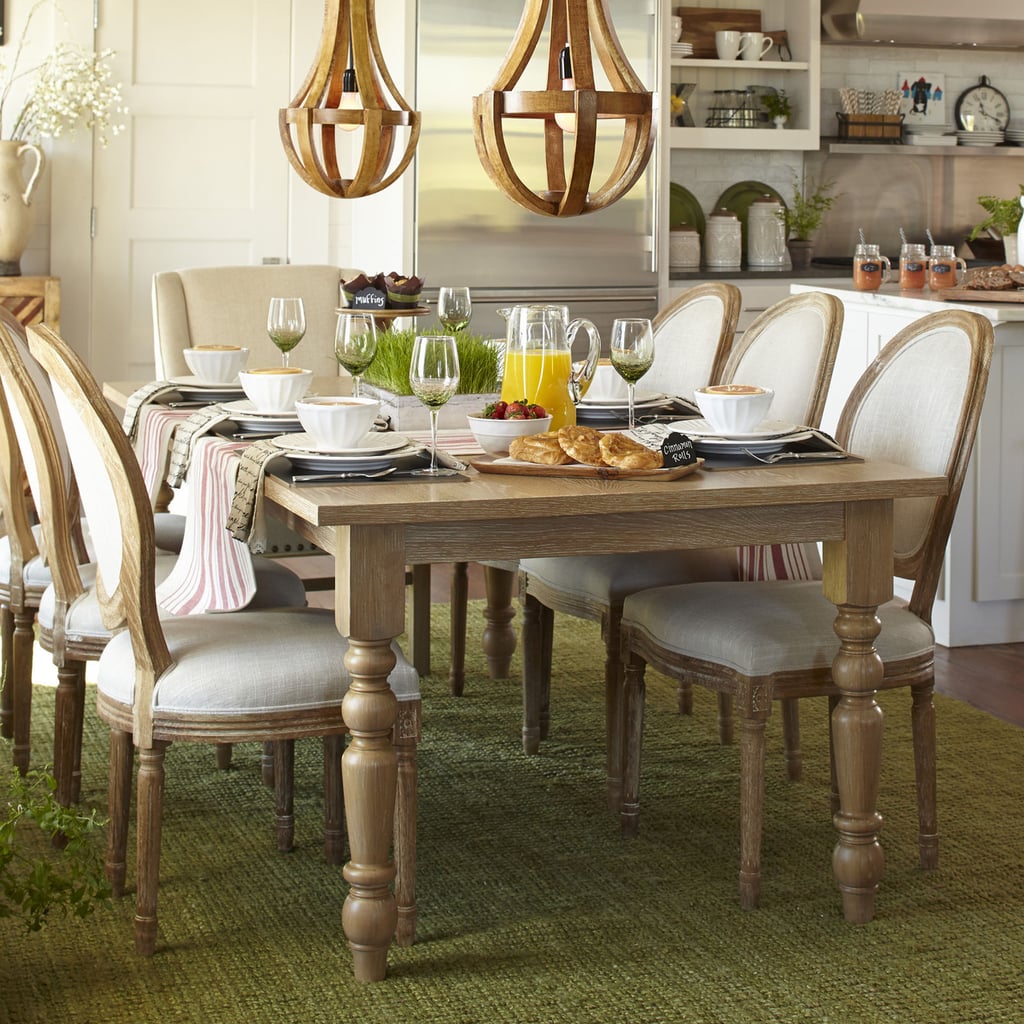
x=337 y=422
x=677 y=28
x=216 y=364
x=275 y=388
x=734 y=408
x=729 y=44
x=607 y=385
x=754 y=45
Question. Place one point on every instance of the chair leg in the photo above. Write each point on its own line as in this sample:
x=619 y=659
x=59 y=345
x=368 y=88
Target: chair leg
x=613 y=710
x=150 y=813
x=7 y=692
x=633 y=699
x=724 y=719
x=267 y=765
x=533 y=671
x=224 y=751
x=791 y=738
x=119 y=798
x=922 y=716
x=284 y=795
x=684 y=697
x=404 y=836
x=67 y=731
x=419 y=631
x=21 y=683
x=334 y=800
x=499 y=640
x=752 y=732
x=458 y=600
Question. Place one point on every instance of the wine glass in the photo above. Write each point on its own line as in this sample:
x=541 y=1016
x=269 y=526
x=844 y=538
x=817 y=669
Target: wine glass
x=632 y=352
x=454 y=308
x=355 y=345
x=434 y=377
x=286 y=324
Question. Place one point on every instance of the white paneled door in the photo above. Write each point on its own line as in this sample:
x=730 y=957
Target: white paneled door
x=200 y=177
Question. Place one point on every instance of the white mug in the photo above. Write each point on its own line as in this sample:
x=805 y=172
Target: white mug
x=677 y=28
x=729 y=44
x=754 y=45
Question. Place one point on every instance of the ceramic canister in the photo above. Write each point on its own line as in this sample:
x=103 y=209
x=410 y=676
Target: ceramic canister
x=766 y=234
x=723 y=240
x=684 y=248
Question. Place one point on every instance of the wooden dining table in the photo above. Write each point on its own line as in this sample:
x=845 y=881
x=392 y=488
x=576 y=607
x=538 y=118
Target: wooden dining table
x=375 y=529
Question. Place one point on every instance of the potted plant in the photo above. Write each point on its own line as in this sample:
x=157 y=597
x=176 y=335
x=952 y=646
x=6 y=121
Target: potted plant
x=1003 y=217
x=778 y=106
x=804 y=216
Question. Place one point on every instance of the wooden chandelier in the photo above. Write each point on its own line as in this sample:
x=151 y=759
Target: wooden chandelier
x=338 y=97
x=570 y=105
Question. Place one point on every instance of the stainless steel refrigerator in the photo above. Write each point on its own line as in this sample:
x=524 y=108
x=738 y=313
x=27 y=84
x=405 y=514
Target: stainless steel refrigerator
x=602 y=265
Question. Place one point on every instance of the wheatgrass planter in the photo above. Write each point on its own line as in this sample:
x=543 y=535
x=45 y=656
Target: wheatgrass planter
x=407 y=412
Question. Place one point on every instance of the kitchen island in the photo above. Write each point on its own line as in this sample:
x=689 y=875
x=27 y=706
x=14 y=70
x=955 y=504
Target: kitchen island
x=981 y=594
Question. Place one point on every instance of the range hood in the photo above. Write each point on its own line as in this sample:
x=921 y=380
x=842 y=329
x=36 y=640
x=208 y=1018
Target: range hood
x=994 y=25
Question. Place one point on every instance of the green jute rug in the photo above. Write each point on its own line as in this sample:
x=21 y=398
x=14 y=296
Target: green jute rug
x=533 y=909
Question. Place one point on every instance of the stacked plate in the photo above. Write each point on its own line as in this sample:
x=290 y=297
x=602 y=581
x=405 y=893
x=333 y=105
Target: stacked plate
x=680 y=50
x=1015 y=136
x=770 y=436
x=594 y=412
x=929 y=135
x=192 y=389
x=378 y=450
x=980 y=138
x=250 y=420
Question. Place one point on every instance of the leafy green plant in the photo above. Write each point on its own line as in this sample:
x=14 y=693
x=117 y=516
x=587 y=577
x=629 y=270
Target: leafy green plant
x=1003 y=215
x=50 y=856
x=478 y=362
x=777 y=104
x=808 y=208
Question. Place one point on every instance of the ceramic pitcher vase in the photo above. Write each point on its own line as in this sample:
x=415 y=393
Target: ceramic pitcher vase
x=21 y=163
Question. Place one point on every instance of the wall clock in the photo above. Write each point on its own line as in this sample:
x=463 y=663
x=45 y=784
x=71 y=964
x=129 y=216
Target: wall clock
x=982 y=106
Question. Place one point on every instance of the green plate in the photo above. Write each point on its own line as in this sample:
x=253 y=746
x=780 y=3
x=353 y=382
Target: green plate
x=738 y=198
x=683 y=208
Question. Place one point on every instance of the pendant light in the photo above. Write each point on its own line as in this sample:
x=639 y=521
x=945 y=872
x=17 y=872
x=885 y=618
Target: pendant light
x=336 y=95
x=570 y=108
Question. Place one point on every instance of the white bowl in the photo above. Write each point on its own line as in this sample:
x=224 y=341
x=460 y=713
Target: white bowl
x=337 y=422
x=216 y=364
x=607 y=385
x=734 y=408
x=275 y=388
x=494 y=436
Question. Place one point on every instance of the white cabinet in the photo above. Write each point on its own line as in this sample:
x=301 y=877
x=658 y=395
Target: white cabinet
x=799 y=77
x=981 y=592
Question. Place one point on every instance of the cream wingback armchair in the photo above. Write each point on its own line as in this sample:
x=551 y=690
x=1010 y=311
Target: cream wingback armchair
x=228 y=305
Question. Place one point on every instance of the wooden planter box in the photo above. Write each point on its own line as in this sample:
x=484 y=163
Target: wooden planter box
x=407 y=412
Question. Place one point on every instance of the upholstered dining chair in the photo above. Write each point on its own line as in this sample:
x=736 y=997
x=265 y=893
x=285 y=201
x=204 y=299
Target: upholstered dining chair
x=228 y=306
x=790 y=347
x=264 y=675
x=918 y=405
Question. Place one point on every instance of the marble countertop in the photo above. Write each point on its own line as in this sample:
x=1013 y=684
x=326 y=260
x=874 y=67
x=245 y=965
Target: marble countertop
x=890 y=297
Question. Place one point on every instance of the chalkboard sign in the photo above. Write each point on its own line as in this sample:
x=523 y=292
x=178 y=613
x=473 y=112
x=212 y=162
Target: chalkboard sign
x=369 y=298
x=677 y=450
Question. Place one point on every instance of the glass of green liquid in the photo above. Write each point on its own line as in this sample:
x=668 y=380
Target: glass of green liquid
x=632 y=352
x=434 y=378
x=286 y=324
x=454 y=308
x=355 y=345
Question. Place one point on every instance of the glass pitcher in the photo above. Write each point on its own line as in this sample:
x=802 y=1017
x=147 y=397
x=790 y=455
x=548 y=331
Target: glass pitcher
x=538 y=360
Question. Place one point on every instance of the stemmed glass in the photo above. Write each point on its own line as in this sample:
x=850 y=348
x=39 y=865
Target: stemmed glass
x=632 y=352
x=454 y=308
x=286 y=324
x=355 y=345
x=434 y=377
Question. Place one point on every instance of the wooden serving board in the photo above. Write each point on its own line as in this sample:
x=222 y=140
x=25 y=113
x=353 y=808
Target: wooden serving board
x=976 y=295
x=512 y=467
x=701 y=23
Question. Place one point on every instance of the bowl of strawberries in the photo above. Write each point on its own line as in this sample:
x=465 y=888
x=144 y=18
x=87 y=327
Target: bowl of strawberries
x=499 y=422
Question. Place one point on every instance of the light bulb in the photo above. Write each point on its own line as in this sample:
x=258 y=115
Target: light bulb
x=567 y=122
x=349 y=97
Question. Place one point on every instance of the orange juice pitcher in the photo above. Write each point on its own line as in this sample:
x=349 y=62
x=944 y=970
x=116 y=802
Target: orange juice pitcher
x=538 y=360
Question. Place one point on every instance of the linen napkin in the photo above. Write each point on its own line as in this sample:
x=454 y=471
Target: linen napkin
x=247 y=519
x=198 y=423
x=137 y=399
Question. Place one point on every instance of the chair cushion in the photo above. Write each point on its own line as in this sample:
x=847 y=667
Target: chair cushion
x=5 y=554
x=247 y=662
x=609 y=579
x=762 y=628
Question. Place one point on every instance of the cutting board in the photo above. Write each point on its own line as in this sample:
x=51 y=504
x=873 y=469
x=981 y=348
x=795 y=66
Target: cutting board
x=576 y=469
x=701 y=23
x=973 y=295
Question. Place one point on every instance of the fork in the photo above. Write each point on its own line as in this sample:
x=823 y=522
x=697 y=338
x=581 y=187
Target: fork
x=770 y=460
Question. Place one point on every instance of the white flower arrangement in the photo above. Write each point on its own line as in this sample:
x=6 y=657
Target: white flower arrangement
x=72 y=86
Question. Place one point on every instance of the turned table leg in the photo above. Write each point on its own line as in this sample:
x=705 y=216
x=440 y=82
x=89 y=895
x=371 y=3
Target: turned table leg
x=499 y=640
